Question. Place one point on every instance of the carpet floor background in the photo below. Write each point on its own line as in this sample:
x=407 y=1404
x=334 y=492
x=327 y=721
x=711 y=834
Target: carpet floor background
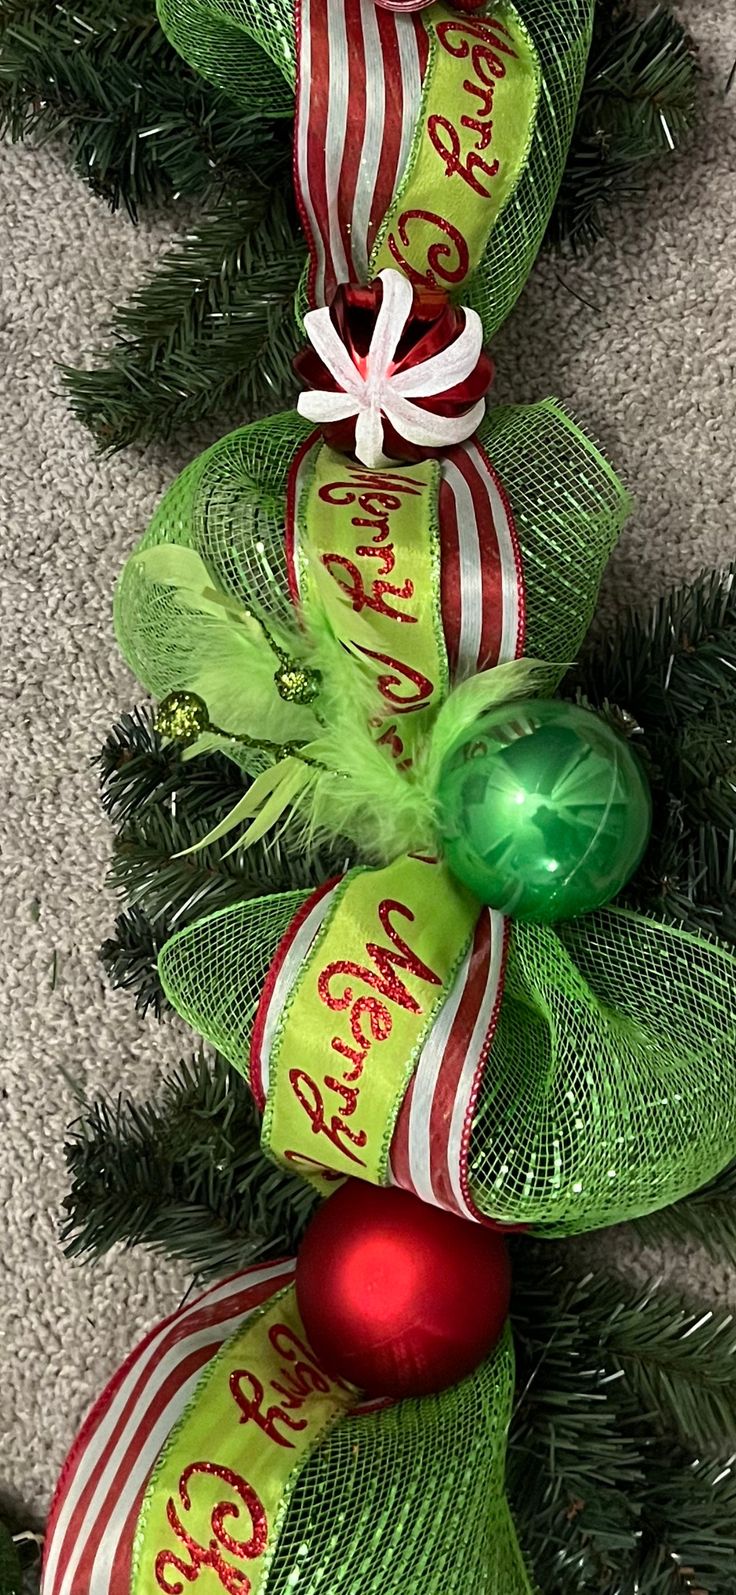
x=638 y=339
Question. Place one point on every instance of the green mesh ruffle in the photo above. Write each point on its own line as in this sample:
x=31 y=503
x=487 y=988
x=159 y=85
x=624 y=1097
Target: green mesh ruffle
x=230 y=506
x=248 y=48
x=410 y=1498
x=608 y=1092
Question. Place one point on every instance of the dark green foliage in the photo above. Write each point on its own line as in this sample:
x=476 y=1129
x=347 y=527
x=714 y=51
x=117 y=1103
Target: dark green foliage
x=130 y=959
x=11 y=1573
x=707 y=1219
x=184 y=1175
x=212 y=333
x=638 y=102
x=20 y=1548
x=618 y=1396
x=672 y=671
x=160 y=807
x=140 y=126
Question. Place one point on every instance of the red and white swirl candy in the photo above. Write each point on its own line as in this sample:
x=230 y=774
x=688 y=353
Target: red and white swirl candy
x=393 y=373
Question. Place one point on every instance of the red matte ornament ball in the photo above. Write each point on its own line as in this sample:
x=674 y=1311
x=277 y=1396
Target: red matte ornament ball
x=399 y=1297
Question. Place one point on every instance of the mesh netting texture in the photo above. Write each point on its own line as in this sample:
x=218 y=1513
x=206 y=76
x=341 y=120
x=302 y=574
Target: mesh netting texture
x=234 y=42
x=608 y=1092
x=230 y=506
x=609 y=1087
x=214 y=971
x=409 y=1498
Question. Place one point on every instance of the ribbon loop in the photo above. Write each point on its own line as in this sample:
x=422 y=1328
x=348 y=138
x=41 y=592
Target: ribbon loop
x=429 y=141
x=588 y=1084
x=472 y=140
x=222 y=1457
x=220 y=1489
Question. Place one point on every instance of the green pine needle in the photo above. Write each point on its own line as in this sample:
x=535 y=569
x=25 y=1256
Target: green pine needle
x=212 y=331
x=618 y=1394
x=707 y=1219
x=639 y=101
x=670 y=671
x=130 y=959
x=140 y=126
x=184 y=1176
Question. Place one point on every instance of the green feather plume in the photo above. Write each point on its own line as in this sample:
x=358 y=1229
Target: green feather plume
x=333 y=778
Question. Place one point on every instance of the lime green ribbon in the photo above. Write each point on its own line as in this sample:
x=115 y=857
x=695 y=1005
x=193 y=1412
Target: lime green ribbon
x=349 y=1036
x=368 y=559
x=220 y=1490
x=471 y=145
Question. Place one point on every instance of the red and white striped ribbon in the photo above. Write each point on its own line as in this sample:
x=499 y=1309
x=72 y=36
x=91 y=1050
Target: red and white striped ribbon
x=95 y=1511
x=429 y=1149
x=292 y=951
x=481 y=575
x=481 y=578
x=359 y=88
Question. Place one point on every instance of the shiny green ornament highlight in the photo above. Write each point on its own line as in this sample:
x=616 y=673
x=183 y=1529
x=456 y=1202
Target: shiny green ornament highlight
x=183 y=717
x=544 y=811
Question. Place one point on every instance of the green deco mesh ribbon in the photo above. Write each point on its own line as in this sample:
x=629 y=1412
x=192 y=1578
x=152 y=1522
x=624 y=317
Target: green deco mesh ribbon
x=411 y=1498
x=408 y=1497
x=249 y=49
x=609 y=1088
x=229 y=505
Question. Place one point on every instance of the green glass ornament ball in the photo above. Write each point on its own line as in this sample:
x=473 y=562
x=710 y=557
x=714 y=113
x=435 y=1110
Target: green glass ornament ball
x=545 y=811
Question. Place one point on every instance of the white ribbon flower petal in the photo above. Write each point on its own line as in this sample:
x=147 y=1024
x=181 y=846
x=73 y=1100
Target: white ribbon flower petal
x=429 y=431
x=446 y=369
x=396 y=304
x=369 y=439
x=321 y=406
x=331 y=350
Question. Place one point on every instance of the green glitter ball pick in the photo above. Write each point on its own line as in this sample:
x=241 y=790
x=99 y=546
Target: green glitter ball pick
x=183 y=717
x=545 y=811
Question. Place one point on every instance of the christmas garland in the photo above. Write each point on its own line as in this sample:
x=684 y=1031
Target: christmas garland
x=461 y=1032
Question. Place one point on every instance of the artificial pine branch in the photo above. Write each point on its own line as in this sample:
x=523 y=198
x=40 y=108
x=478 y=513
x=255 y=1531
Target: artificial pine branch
x=140 y=126
x=607 y=1494
x=688 y=1527
x=671 y=672
x=138 y=767
x=212 y=330
x=184 y=1176
x=707 y=1219
x=130 y=959
x=162 y=806
x=638 y=101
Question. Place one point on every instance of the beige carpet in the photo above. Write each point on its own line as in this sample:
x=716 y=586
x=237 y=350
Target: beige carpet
x=638 y=339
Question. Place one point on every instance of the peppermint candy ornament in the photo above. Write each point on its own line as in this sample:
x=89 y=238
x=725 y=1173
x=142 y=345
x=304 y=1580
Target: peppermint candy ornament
x=393 y=374
x=421 y=5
